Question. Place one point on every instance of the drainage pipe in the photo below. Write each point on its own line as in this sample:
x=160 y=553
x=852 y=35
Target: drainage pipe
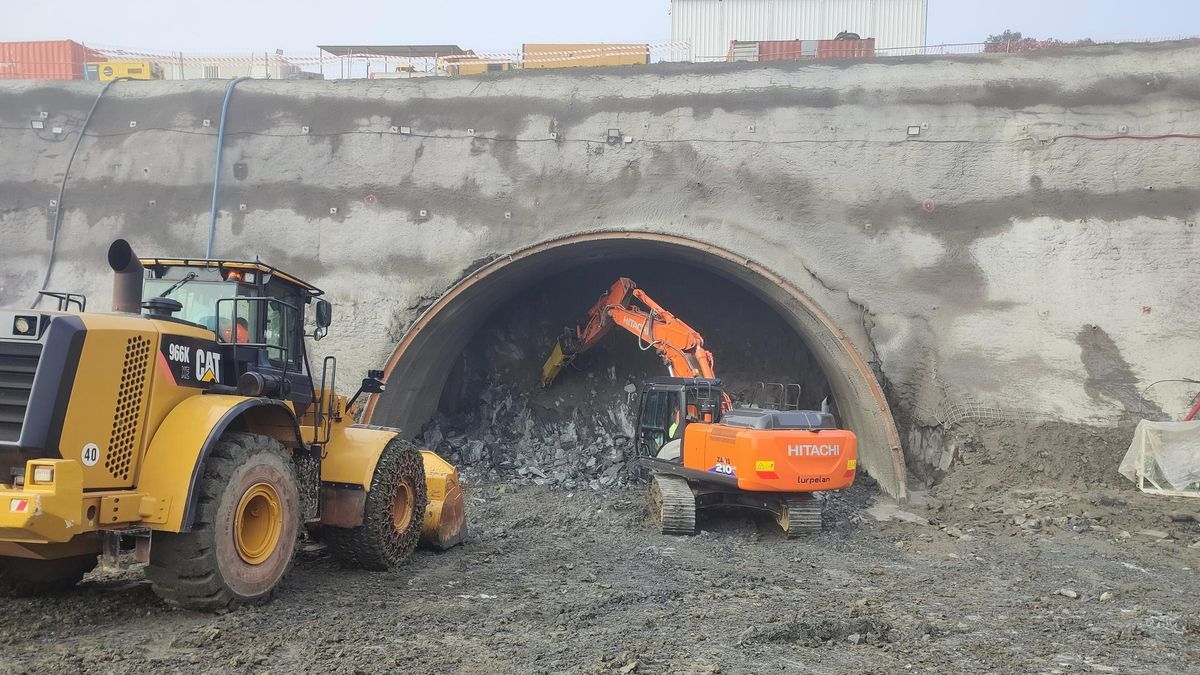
x=212 y=224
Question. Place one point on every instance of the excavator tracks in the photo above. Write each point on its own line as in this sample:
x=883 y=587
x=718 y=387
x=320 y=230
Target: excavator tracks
x=800 y=516
x=672 y=504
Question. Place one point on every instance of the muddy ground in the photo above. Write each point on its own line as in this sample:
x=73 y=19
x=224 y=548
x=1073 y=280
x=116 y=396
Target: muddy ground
x=1083 y=576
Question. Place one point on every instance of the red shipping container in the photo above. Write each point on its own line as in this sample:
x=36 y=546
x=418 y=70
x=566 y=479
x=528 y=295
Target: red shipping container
x=846 y=49
x=779 y=50
x=46 y=60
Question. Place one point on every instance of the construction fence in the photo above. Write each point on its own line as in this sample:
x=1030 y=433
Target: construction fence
x=77 y=61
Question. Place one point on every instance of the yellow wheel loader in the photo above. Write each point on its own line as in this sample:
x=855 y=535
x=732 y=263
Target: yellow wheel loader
x=188 y=425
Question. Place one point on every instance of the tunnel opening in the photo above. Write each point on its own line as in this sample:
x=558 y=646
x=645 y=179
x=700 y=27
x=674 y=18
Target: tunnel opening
x=464 y=379
x=494 y=415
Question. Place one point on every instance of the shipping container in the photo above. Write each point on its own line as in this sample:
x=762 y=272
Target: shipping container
x=846 y=49
x=790 y=50
x=470 y=64
x=134 y=70
x=785 y=50
x=45 y=60
x=581 y=55
x=703 y=29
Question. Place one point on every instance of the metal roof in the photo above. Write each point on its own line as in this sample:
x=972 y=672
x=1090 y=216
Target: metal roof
x=407 y=51
x=232 y=264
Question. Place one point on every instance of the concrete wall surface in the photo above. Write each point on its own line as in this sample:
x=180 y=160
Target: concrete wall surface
x=993 y=232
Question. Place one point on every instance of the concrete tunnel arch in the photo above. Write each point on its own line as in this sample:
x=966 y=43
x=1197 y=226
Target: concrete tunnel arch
x=420 y=365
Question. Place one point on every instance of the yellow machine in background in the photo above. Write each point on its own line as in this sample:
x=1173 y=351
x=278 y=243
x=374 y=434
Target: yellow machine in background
x=470 y=64
x=196 y=433
x=111 y=70
x=583 y=55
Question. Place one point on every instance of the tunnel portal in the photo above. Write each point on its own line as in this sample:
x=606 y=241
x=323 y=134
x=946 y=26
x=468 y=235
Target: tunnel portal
x=476 y=352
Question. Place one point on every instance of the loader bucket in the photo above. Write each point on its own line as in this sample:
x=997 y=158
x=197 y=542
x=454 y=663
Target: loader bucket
x=445 y=517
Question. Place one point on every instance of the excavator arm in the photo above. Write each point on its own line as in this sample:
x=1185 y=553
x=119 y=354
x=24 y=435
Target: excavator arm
x=626 y=306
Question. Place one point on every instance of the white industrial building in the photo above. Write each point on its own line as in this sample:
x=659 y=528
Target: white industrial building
x=707 y=27
x=264 y=66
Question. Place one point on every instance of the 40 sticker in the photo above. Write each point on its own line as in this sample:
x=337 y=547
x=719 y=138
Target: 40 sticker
x=90 y=455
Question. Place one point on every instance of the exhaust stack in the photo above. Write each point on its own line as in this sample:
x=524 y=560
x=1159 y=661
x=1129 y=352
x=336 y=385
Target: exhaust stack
x=127 y=277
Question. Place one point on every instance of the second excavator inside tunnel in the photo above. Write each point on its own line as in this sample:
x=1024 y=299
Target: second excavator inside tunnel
x=466 y=376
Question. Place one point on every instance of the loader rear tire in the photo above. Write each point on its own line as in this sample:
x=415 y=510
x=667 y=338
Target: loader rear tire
x=243 y=538
x=394 y=515
x=25 y=577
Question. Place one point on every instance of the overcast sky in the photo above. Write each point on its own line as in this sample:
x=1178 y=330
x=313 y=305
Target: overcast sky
x=297 y=26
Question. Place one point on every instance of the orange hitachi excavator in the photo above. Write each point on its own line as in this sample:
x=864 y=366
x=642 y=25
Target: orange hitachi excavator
x=700 y=450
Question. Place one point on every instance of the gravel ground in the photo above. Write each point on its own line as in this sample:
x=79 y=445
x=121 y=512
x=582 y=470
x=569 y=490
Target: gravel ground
x=554 y=580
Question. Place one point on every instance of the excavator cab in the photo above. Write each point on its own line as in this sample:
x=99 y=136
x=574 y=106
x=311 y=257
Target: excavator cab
x=668 y=405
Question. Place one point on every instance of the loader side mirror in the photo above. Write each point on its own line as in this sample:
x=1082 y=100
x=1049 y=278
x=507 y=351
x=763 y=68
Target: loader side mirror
x=371 y=384
x=324 y=314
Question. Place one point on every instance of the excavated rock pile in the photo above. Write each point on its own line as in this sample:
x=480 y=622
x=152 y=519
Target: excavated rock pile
x=510 y=435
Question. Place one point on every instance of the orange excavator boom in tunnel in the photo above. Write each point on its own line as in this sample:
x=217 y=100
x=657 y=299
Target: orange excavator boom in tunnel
x=680 y=346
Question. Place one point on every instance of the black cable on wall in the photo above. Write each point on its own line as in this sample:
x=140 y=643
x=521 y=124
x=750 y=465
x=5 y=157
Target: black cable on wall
x=62 y=188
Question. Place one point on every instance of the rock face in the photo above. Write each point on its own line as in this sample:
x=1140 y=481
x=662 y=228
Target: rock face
x=1029 y=253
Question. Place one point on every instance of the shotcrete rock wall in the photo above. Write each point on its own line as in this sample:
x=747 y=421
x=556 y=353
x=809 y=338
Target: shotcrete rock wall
x=991 y=231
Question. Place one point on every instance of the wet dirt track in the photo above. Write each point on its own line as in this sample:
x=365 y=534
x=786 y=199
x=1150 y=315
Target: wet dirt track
x=573 y=581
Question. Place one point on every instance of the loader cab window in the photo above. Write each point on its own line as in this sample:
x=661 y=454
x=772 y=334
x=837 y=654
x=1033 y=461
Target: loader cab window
x=283 y=335
x=235 y=330
x=285 y=325
x=199 y=291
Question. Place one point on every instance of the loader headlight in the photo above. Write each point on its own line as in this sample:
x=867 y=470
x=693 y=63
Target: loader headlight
x=24 y=326
x=43 y=475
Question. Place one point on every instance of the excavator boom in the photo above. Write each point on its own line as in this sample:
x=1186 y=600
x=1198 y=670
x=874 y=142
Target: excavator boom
x=626 y=306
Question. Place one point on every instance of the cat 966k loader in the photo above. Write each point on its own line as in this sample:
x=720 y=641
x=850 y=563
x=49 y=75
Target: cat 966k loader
x=188 y=425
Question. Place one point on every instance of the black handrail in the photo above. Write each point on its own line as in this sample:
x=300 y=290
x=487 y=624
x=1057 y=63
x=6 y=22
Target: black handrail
x=65 y=300
x=323 y=416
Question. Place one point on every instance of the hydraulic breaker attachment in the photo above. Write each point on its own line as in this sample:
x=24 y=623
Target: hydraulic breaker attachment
x=554 y=363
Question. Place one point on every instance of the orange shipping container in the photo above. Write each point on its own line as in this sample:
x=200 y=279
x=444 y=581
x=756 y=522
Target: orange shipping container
x=45 y=60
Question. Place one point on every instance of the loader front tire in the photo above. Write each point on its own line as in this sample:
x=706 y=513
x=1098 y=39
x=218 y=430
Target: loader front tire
x=243 y=537
x=394 y=514
x=25 y=577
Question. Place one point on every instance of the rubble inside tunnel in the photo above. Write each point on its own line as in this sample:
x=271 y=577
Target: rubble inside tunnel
x=495 y=421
